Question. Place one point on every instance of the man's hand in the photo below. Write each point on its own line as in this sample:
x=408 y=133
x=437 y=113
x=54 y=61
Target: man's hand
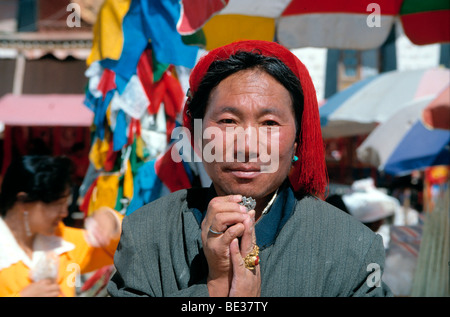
x=226 y=215
x=245 y=282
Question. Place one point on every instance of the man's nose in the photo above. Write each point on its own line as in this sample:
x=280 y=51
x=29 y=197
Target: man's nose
x=246 y=144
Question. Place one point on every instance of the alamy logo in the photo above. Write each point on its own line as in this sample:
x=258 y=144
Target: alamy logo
x=235 y=144
x=74 y=18
x=374 y=278
x=374 y=19
x=73 y=279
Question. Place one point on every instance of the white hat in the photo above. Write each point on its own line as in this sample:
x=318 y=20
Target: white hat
x=370 y=205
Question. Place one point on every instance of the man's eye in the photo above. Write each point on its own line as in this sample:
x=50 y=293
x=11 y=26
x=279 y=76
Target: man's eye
x=226 y=121
x=270 y=123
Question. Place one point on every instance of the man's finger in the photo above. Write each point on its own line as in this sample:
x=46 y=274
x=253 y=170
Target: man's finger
x=226 y=206
x=236 y=258
x=227 y=199
x=248 y=238
x=232 y=233
x=222 y=221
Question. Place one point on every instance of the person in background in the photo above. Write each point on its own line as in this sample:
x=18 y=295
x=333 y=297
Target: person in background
x=39 y=255
x=371 y=206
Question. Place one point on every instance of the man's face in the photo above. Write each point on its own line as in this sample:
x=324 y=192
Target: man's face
x=255 y=102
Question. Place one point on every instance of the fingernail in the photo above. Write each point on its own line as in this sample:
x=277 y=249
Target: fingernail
x=243 y=208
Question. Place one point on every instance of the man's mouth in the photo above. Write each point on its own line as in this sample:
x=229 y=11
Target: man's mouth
x=244 y=171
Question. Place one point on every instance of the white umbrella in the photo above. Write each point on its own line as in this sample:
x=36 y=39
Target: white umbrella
x=362 y=106
x=407 y=141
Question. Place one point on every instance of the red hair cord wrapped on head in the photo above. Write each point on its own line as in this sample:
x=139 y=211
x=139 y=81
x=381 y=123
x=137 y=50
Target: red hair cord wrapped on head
x=309 y=173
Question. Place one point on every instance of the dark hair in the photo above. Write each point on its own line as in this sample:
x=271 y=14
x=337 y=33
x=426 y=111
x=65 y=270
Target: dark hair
x=241 y=60
x=337 y=201
x=42 y=178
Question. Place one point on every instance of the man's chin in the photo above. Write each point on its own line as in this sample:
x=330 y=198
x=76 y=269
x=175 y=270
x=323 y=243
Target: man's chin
x=246 y=188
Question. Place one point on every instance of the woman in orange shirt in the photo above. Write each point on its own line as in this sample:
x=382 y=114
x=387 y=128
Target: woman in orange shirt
x=39 y=255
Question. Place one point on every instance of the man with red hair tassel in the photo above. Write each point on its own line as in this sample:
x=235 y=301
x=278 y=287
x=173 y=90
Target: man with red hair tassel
x=256 y=231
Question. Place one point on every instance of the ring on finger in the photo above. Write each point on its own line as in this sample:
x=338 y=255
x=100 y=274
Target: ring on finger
x=215 y=232
x=251 y=260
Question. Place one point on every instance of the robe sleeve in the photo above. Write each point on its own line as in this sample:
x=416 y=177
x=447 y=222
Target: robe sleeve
x=129 y=280
x=143 y=267
x=369 y=280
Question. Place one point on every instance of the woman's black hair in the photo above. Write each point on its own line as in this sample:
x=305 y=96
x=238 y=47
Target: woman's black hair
x=242 y=60
x=41 y=178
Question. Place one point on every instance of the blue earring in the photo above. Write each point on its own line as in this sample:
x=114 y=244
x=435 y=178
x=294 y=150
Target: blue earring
x=295 y=159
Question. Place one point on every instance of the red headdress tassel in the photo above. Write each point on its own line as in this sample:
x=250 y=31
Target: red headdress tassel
x=309 y=173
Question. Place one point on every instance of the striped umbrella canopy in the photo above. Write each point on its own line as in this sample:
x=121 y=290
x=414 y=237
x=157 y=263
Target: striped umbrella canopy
x=294 y=23
x=358 y=109
x=351 y=24
x=413 y=138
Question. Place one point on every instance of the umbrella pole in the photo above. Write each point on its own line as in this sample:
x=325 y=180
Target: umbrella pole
x=431 y=277
x=406 y=204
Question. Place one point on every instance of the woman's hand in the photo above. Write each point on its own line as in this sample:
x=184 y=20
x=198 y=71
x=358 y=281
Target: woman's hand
x=42 y=288
x=102 y=227
x=245 y=282
x=226 y=215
